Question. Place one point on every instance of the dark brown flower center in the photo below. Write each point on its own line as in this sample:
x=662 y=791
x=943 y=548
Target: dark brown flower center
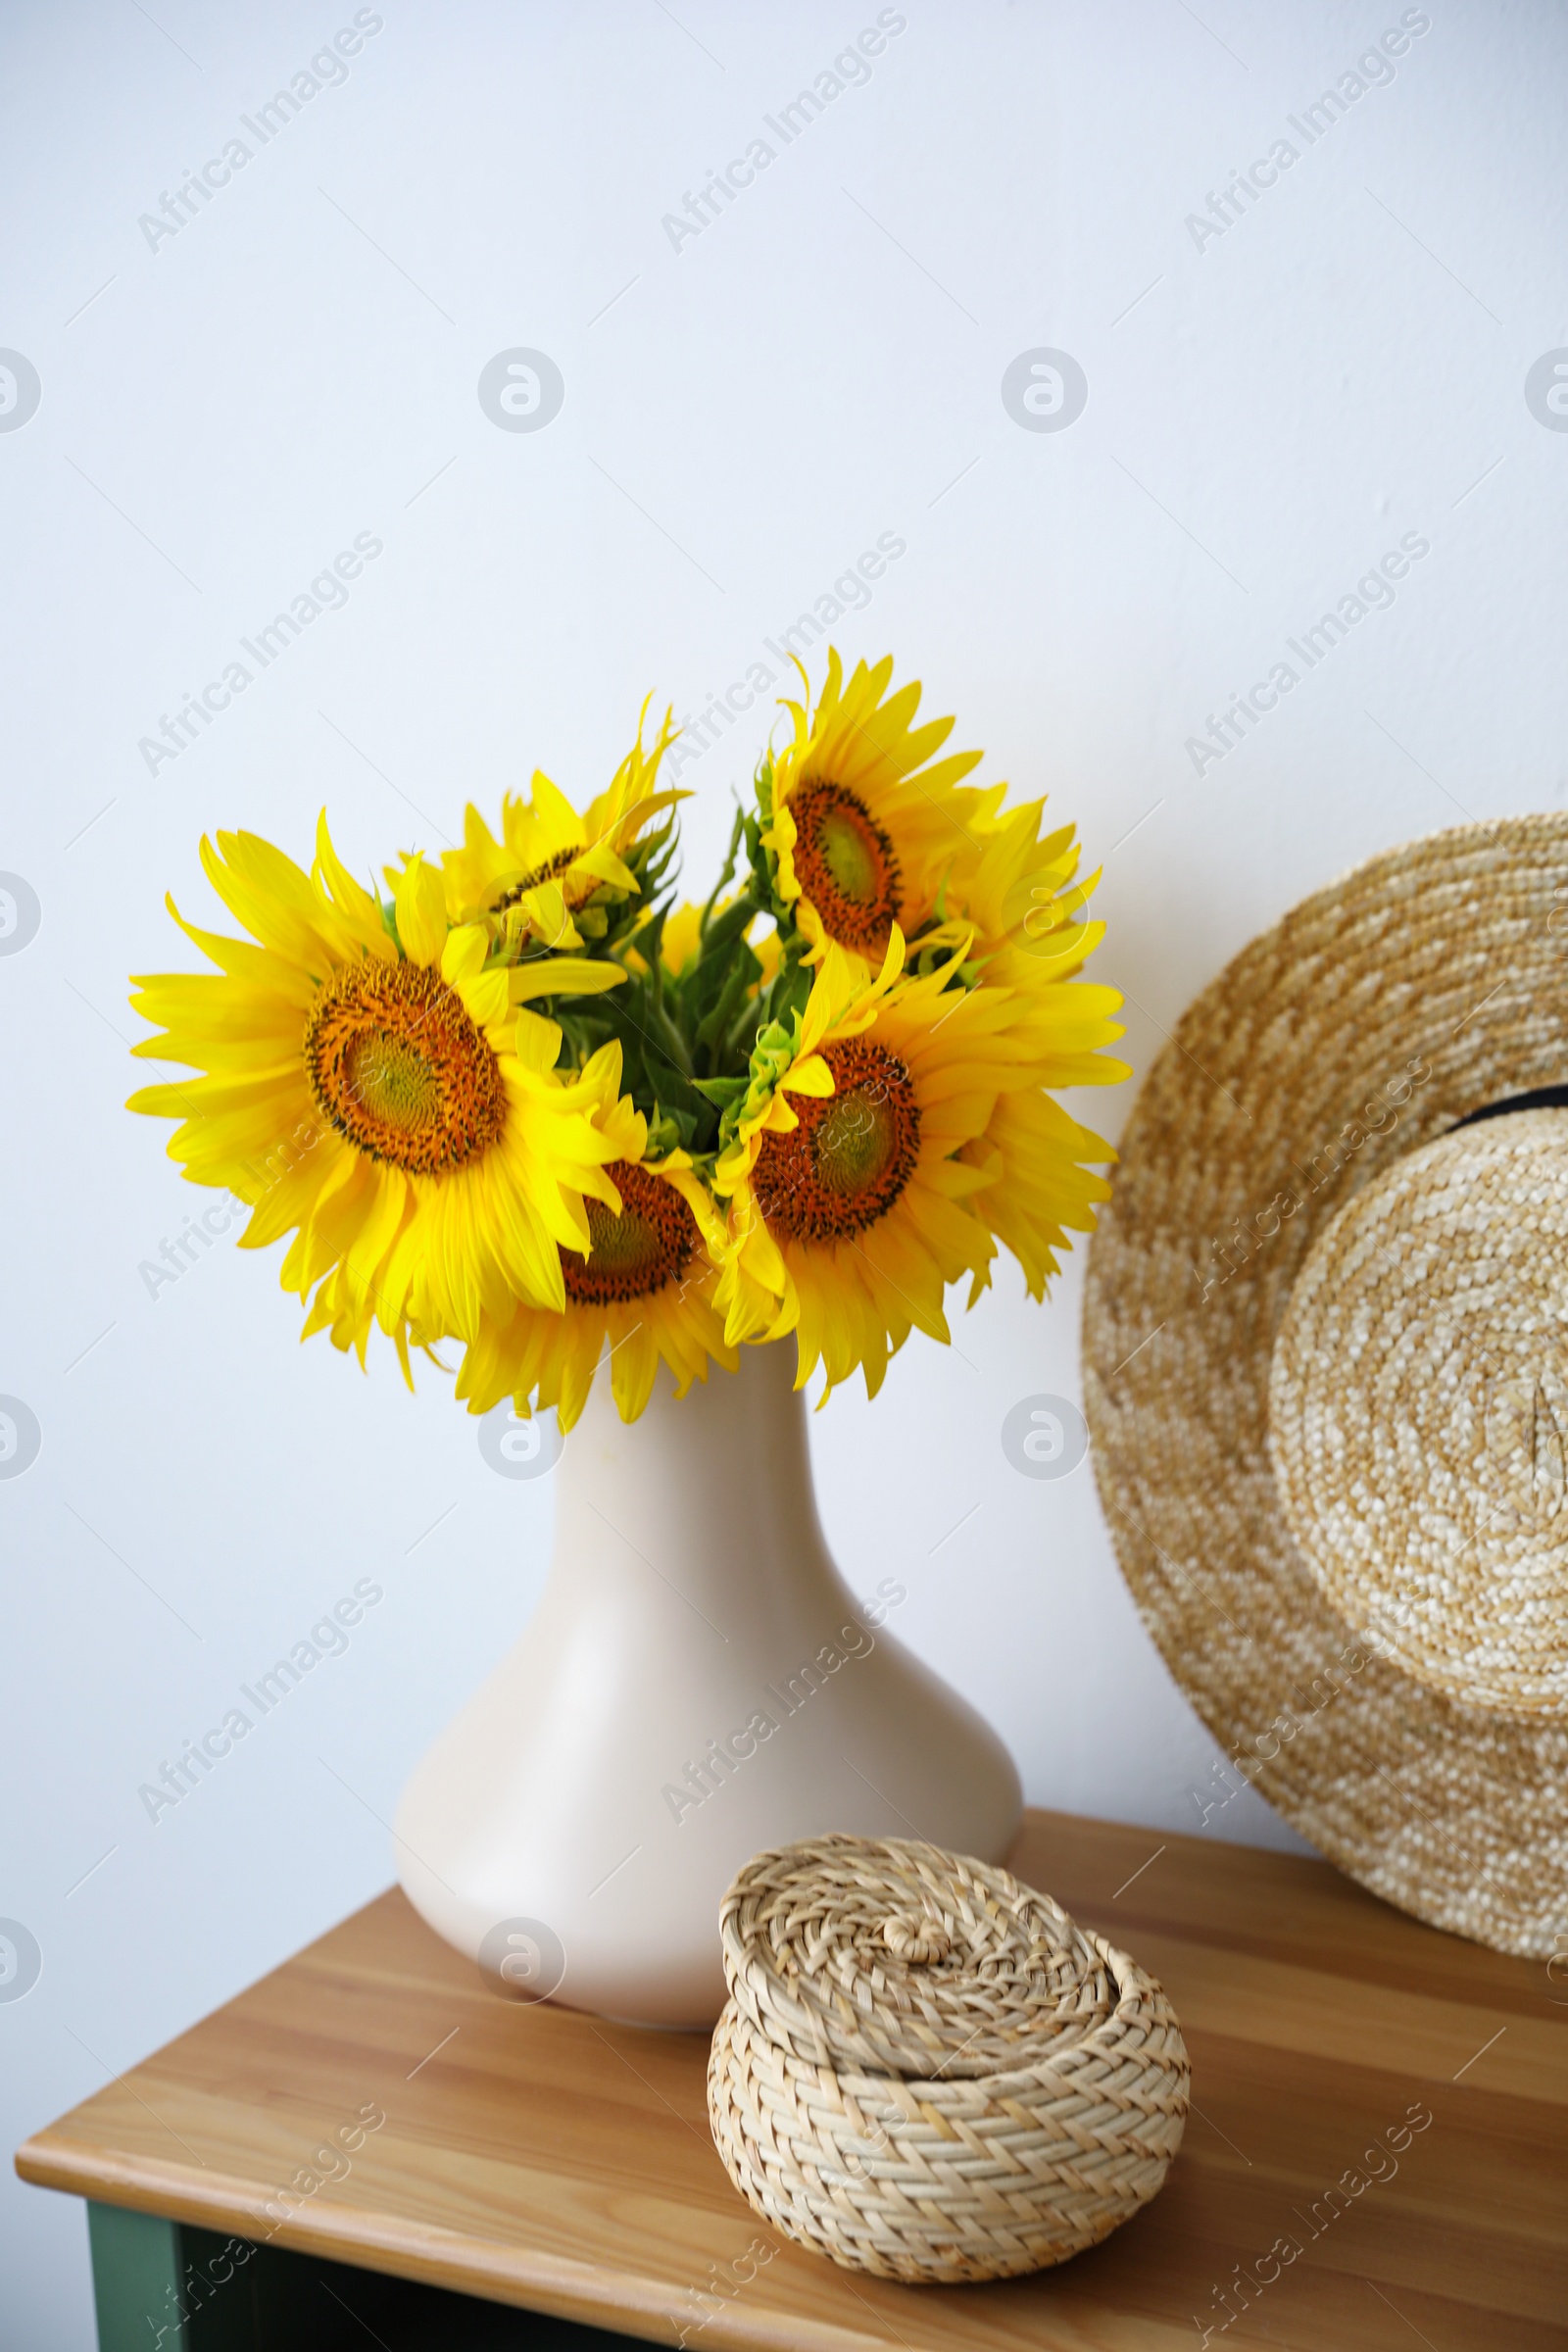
x=649 y=1246
x=847 y=866
x=851 y=1154
x=399 y=1065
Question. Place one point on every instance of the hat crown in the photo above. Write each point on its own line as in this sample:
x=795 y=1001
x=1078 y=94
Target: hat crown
x=1418 y=1413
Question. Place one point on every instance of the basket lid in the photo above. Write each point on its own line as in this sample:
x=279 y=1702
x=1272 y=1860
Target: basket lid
x=891 y=1956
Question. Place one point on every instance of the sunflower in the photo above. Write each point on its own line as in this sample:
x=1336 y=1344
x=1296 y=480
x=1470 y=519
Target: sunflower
x=643 y=1284
x=862 y=821
x=380 y=1096
x=535 y=887
x=851 y=1207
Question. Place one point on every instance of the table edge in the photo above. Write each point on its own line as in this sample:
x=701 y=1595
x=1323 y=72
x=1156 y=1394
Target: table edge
x=526 y=2279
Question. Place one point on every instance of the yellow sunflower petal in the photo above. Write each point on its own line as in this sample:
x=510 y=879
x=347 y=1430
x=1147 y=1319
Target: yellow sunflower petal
x=422 y=908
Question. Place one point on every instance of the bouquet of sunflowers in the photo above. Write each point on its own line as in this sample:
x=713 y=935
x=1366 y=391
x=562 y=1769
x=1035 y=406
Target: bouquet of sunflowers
x=530 y=1106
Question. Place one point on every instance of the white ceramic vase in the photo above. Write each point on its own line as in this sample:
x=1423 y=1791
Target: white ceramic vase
x=697 y=1683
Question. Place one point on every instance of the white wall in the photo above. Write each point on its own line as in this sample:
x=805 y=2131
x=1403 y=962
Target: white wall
x=1268 y=412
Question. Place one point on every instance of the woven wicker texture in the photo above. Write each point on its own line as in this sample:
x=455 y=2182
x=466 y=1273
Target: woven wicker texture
x=1424 y=987
x=927 y=2071
x=1417 y=1411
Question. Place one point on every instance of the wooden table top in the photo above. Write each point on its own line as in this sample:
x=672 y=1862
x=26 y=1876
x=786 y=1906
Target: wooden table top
x=540 y=2157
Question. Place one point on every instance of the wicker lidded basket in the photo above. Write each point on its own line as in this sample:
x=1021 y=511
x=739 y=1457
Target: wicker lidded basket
x=927 y=2071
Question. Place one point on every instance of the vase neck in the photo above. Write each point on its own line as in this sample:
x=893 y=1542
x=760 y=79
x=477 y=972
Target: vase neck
x=709 y=1491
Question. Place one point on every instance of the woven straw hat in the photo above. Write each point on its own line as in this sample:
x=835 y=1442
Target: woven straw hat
x=927 y=2071
x=1326 y=1373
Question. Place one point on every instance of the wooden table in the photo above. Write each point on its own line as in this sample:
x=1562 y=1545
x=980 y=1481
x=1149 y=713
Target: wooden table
x=538 y=2158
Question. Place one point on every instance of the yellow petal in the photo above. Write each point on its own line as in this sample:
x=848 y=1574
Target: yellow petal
x=422 y=904
x=808 y=1076
x=464 y=953
x=563 y=975
x=352 y=901
x=538 y=1041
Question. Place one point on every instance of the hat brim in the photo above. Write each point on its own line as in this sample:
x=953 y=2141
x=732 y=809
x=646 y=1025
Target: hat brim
x=1427 y=983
